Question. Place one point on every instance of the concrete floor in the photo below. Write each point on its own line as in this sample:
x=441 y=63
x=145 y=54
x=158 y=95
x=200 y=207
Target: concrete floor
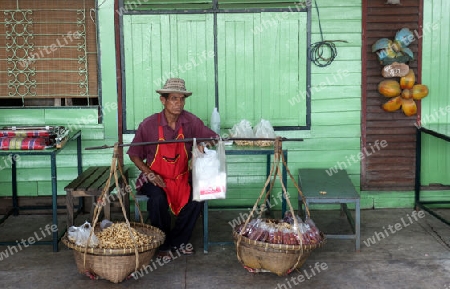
x=416 y=255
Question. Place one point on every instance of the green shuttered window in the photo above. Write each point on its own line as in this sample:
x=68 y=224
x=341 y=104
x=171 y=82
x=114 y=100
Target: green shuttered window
x=251 y=65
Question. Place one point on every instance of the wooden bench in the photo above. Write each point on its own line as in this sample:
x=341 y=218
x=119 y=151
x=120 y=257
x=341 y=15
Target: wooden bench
x=319 y=187
x=91 y=183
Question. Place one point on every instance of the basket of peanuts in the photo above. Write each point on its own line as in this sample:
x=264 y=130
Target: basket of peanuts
x=113 y=250
x=113 y=255
x=276 y=245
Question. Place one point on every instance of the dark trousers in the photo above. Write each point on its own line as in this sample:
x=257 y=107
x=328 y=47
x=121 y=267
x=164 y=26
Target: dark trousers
x=161 y=217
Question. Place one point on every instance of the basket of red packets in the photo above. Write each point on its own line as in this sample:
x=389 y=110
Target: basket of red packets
x=278 y=246
x=271 y=245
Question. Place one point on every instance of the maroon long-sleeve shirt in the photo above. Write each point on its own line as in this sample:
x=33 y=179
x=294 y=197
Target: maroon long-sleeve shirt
x=193 y=127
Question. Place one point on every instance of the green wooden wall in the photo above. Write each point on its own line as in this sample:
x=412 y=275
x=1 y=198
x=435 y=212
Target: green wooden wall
x=335 y=90
x=333 y=139
x=335 y=102
x=436 y=75
x=261 y=59
x=335 y=96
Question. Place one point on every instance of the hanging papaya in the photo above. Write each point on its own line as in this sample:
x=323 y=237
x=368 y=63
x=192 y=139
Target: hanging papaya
x=419 y=91
x=409 y=107
x=408 y=81
x=389 y=88
x=407 y=93
x=393 y=104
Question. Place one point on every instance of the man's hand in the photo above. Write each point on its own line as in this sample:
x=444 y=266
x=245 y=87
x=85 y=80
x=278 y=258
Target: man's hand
x=201 y=147
x=149 y=174
x=155 y=179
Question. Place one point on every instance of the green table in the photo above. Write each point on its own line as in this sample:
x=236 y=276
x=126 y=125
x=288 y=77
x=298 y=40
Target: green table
x=52 y=152
x=339 y=190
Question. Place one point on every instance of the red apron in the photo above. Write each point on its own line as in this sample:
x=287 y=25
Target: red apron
x=171 y=163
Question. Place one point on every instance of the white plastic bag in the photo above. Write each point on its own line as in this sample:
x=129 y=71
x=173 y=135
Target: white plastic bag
x=80 y=235
x=264 y=130
x=243 y=129
x=209 y=174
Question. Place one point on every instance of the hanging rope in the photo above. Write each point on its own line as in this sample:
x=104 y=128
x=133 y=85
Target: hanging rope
x=320 y=50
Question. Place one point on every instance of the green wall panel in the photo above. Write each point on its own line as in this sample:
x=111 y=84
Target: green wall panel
x=262 y=62
x=336 y=118
x=335 y=127
x=72 y=118
x=108 y=66
x=436 y=75
x=246 y=61
x=333 y=26
x=158 y=47
x=25 y=189
x=22 y=116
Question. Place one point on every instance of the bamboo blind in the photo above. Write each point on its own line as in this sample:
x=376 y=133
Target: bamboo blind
x=49 y=50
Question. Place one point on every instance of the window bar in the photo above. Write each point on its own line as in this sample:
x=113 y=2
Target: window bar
x=20 y=72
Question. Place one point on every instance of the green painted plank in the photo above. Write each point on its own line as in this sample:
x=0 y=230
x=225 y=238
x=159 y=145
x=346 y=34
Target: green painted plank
x=72 y=117
x=334 y=105
x=321 y=83
x=336 y=14
x=336 y=131
x=188 y=53
x=435 y=160
x=336 y=118
x=344 y=91
x=93 y=133
x=283 y=60
x=320 y=144
x=62 y=160
x=236 y=66
x=352 y=39
x=39 y=174
x=333 y=3
x=435 y=74
x=22 y=116
x=348 y=25
x=108 y=67
x=339 y=69
x=193 y=45
x=24 y=189
x=241 y=67
x=183 y=6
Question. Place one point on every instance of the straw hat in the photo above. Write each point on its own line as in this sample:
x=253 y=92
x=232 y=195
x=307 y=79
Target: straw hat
x=174 y=85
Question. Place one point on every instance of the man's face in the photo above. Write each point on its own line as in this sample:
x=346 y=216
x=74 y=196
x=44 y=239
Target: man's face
x=174 y=103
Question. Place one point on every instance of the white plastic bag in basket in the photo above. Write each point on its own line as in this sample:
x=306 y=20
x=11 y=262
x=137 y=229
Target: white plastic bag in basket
x=80 y=235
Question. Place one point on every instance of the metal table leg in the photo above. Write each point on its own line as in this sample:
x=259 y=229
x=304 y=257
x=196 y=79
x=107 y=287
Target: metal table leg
x=205 y=227
x=54 y=202
x=15 y=199
x=284 y=177
x=357 y=225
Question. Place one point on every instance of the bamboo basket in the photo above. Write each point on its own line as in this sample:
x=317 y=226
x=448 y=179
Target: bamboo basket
x=276 y=258
x=280 y=259
x=115 y=265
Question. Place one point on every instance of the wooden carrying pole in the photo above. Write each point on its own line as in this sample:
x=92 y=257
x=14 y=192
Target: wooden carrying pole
x=186 y=140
